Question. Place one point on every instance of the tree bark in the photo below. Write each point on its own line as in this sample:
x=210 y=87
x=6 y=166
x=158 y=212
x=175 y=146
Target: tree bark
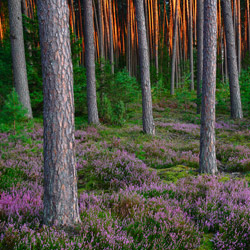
x=236 y=108
x=148 y=123
x=248 y=23
x=101 y=42
x=156 y=17
x=173 y=66
x=207 y=138
x=191 y=54
x=18 y=54
x=60 y=178
x=90 y=62
x=200 y=23
x=111 y=37
x=238 y=37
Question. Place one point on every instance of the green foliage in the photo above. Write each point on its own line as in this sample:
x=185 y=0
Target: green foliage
x=5 y=71
x=13 y=118
x=115 y=94
x=245 y=90
x=223 y=96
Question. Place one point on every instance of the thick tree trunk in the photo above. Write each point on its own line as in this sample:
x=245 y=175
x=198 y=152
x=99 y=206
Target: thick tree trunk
x=173 y=66
x=207 y=138
x=111 y=37
x=60 y=178
x=236 y=108
x=191 y=54
x=18 y=54
x=200 y=23
x=90 y=62
x=148 y=122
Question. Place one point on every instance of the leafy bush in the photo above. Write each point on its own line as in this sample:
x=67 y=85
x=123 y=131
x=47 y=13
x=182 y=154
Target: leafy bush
x=245 y=90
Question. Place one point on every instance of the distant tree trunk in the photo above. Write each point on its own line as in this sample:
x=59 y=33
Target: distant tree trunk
x=111 y=37
x=148 y=122
x=18 y=54
x=207 y=139
x=129 y=64
x=248 y=23
x=236 y=108
x=200 y=23
x=100 y=17
x=90 y=62
x=60 y=178
x=239 y=37
x=191 y=54
x=173 y=63
x=156 y=19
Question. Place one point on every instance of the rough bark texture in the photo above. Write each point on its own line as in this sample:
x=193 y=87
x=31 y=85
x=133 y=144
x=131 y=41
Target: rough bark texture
x=90 y=62
x=207 y=138
x=236 y=108
x=111 y=37
x=191 y=54
x=174 y=51
x=60 y=179
x=200 y=23
x=148 y=122
x=18 y=54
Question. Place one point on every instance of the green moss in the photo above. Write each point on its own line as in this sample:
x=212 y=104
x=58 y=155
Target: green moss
x=173 y=174
x=224 y=179
x=206 y=243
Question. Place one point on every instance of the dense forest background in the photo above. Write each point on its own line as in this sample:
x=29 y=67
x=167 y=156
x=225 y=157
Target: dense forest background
x=116 y=43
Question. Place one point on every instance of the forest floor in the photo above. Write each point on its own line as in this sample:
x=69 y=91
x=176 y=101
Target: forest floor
x=135 y=191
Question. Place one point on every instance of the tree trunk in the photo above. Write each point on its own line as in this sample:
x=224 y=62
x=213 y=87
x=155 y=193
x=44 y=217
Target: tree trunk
x=90 y=62
x=129 y=66
x=101 y=43
x=200 y=23
x=239 y=37
x=191 y=54
x=207 y=138
x=156 y=18
x=18 y=54
x=111 y=37
x=236 y=108
x=60 y=178
x=248 y=23
x=174 y=51
x=148 y=123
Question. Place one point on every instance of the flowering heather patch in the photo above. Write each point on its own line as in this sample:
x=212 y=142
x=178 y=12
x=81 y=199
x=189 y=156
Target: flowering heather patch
x=183 y=127
x=235 y=158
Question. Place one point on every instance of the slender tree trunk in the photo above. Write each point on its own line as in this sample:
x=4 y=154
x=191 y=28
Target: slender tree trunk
x=236 y=108
x=90 y=62
x=148 y=122
x=60 y=178
x=174 y=51
x=156 y=17
x=191 y=54
x=18 y=55
x=129 y=66
x=101 y=42
x=111 y=37
x=200 y=23
x=239 y=38
x=207 y=139
x=248 y=23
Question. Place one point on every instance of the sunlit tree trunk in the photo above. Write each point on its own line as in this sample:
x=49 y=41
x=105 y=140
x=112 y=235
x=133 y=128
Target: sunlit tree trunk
x=236 y=108
x=101 y=39
x=90 y=62
x=18 y=54
x=239 y=37
x=111 y=37
x=248 y=23
x=200 y=23
x=191 y=54
x=207 y=137
x=60 y=178
x=173 y=63
x=156 y=21
x=148 y=123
